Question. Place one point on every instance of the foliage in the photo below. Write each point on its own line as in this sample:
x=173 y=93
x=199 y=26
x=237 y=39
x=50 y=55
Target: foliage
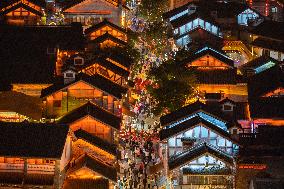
x=172 y=86
x=152 y=10
x=155 y=38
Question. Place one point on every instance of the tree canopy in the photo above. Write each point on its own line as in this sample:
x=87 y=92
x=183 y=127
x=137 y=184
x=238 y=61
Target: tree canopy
x=172 y=86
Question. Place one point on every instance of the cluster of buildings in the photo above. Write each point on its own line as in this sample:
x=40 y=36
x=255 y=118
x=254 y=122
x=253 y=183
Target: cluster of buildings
x=65 y=94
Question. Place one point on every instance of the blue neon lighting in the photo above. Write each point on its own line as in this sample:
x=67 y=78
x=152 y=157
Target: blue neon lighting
x=245 y=16
x=179 y=15
x=264 y=67
x=210 y=119
x=214 y=121
x=208 y=48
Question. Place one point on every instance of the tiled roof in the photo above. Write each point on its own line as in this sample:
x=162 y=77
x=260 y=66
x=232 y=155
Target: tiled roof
x=33 y=140
x=30 y=62
x=187 y=110
x=224 y=9
x=105 y=22
x=108 y=36
x=257 y=62
x=107 y=64
x=21 y=5
x=196 y=151
x=187 y=18
x=264 y=29
x=6 y=3
x=66 y=4
x=96 y=80
x=97 y=166
x=228 y=76
x=186 y=125
x=90 y=109
x=266 y=81
x=96 y=141
x=267 y=43
x=212 y=52
x=267 y=108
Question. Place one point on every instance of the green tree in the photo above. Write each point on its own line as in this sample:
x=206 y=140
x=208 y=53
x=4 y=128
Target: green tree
x=172 y=86
x=152 y=10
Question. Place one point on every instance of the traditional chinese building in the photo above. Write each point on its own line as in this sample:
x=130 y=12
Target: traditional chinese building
x=90 y=12
x=213 y=21
x=67 y=95
x=267 y=96
x=22 y=12
x=258 y=65
x=266 y=41
x=40 y=162
x=260 y=162
x=270 y=8
x=199 y=148
x=216 y=73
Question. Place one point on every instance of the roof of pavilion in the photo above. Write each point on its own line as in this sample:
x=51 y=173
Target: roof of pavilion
x=95 y=165
x=212 y=52
x=224 y=9
x=267 y=108
x=66 y=4
x=187 y=18
x=265 y=82
x=96 y=81
x=6 y=3
x=189 y=124
x=96 y=141
x=102 y=24
x=35 y=140
x=108 y=36
x=102 y=61
x=21 y=5
x=257 y=62
x=264 y=29
x=90 y=109
x=267 y=43
x=190 y=109
x=195 y=152
x=189 y=116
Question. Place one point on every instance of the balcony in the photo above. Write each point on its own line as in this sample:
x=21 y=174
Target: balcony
x=13 y=173
x=12 y=167
x=40 y=169
x=19 y=167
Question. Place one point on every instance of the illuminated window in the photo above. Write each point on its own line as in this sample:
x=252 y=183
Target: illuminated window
x=274 y=9
x=189 y=26
x=207 y=26
x=214 y=29
x=182 y=29
x=195 y=23
x=204 y=132
x=179 y=143
x=188 y=133
x=201 y=23
x=245 y=16
x=172 y=142
x=221 y=142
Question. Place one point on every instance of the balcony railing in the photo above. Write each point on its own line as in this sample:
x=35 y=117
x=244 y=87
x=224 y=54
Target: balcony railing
x=11 y=167
x=31 y=169
x=42 y=169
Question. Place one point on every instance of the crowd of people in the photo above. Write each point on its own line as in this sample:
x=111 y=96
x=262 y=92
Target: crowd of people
x=139 y=152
